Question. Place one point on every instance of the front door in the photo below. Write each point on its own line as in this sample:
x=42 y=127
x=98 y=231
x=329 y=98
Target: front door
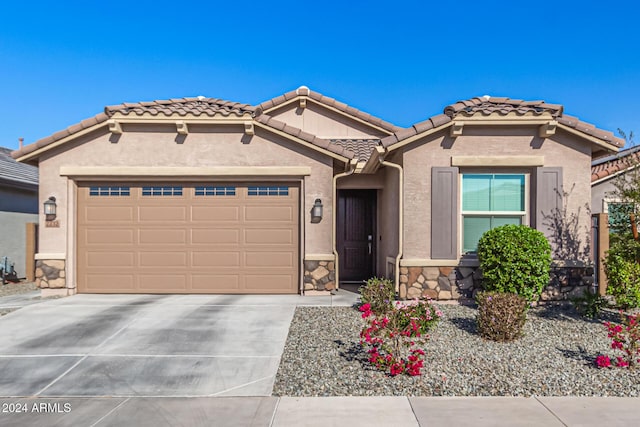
x=356 y=234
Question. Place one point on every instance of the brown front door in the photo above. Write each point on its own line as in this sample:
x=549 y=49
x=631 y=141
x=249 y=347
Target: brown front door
x=356 y=234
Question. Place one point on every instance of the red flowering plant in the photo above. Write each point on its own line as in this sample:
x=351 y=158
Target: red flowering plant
x=394 y=337
x=625 y=337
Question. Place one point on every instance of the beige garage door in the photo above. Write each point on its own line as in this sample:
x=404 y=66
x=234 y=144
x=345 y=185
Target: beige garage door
x=188 y=238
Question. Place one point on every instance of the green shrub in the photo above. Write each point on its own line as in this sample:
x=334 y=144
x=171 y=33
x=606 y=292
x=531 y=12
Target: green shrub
x=501 y=316
x=590 y=304
x=623 y=278
x=515 y=259
x=380 y=294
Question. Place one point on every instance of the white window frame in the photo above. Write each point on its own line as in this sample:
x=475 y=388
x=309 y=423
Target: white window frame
x=525 y=215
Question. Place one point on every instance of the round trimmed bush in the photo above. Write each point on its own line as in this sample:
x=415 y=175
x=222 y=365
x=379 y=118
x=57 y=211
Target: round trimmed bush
x=515 y=259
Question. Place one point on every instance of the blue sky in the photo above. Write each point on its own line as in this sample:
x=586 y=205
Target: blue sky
x=61 y=62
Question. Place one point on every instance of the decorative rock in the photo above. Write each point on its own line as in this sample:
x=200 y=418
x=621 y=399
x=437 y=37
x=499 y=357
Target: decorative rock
x=432 y=284
x=331 y=266
x=404 y=270
x=444 y=295
x=414 y=293
x=421 y=279
x=57 y=283
x=466 y=283
x=402 y=291
x=330 y=286
x=431 y=273
x=319 y=273
x=430 y=293
x=445 y=271
x=477 y=275
x=404 y=279
x=444 y=283
x=57 y=264
x=414 y=272
x=308 y=287
x=465 y=271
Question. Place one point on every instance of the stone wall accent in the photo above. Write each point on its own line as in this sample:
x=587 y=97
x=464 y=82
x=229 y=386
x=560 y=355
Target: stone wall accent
x=319 y=275
x=50 y=274
x=453 y=283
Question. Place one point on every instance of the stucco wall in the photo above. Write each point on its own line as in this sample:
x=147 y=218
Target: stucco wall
x=323 y=122
x=204 y=146
x=13 y=230
x=561 y=150
x=599 y=192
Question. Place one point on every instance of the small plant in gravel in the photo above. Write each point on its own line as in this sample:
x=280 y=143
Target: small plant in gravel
x=380 y=294
x=394 y=338
x=626 y=338
x=501 y=316
x=590 y=304
x=623 y=275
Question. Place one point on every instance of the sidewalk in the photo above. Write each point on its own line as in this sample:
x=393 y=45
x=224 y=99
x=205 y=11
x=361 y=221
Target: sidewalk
x=323 y=411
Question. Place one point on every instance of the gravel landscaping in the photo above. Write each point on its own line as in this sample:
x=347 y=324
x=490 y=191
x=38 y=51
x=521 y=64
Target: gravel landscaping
x=556 y=357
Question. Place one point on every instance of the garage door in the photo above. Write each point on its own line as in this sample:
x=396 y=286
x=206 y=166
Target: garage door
x=195 y=238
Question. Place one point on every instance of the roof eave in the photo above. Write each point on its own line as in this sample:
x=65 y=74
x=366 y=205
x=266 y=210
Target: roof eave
x=596 y=141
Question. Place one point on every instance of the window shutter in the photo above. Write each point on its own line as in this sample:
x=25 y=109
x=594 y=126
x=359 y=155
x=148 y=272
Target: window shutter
x=548 y=197
x=444 y=211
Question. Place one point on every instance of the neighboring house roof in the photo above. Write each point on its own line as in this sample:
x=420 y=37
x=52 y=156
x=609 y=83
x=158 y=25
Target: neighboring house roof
x=487 y=105
x=15 y=173
x=611 y=165
x=363 y=148
x=304 y=91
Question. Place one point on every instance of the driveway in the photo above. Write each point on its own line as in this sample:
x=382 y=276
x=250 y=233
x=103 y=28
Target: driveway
x=148 y=345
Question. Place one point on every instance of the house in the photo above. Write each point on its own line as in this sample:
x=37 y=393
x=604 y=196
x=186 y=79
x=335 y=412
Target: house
x=18 y=207
x=297 y=194
x=604 y=172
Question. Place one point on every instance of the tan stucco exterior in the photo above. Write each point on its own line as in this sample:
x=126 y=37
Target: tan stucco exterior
x=508 y=142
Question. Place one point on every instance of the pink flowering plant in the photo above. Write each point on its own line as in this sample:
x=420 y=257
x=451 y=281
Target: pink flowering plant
x=394 y=338
x=625 y=337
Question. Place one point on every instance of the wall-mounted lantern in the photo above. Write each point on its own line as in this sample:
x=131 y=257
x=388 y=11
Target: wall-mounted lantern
x=50 y=209
x=316 y=212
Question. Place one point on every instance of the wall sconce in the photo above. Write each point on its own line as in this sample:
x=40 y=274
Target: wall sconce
x=316 y=212
x=50 y=209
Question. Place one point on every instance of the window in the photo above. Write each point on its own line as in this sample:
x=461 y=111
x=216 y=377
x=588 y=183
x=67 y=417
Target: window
x=162 y=191
x=489 y=201
x=268 y=191
x=109 y=191
x=215 y=191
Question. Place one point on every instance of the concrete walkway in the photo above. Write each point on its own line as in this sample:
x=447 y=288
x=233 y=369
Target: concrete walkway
x=322 y=411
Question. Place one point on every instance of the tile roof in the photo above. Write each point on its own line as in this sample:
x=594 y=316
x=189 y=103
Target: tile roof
x=305 y=136
x=610 y=165
x=498 y=105
x=331 y=102
x=361 y=147
x=14 y=172
x=199 y=106
x=172 y=107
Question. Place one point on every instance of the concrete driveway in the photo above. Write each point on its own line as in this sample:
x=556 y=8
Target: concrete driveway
x=147 y=345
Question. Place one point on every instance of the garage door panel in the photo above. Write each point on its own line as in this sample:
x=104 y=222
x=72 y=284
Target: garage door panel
x=162 y=259
x=163 y=235
x=215 y=236
x=268 y=259
x=269 y=236
x=107 y=236
x=162 y=213
x=216 y=259
x=268 y=213
x=162 y=282
x=110 y=259
x=108 y=214
x=228 y=283
x=273 y=283
x=215 y=213
x=110 y=282
x=211 y=240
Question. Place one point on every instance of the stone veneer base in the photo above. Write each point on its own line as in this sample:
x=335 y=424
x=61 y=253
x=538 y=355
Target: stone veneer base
x=50 y=274
x=319 y=275
x=460 y=283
